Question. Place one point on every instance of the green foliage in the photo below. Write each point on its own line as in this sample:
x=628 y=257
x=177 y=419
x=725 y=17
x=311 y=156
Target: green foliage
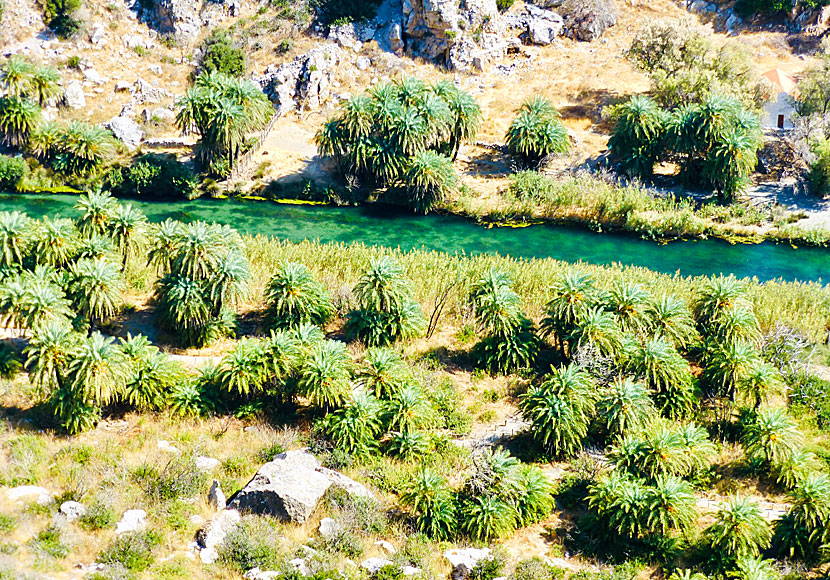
x=432 y=501
x=132 y=550
x=220 y=55
x=81 y=149
x=806 y=527
x=748 y=8
x=355 y=427
x=638 y=135
x=99 y=515
x=403 y=134
x=537 y=131
x=155 y=175
x=386 y=310
x=771 y=436
x=686 y=66
x=325 y=374
x=504 y=5
x=343 y=11
x=222 y=110
x=560 y=409
x=50 y=542
x=740 y=531
x=667 y=374
x=18 y=118
x=818 y=176
x=625 y=406
x=814 y=89
x=60 y=16
x=295 y=298
x=12 y=172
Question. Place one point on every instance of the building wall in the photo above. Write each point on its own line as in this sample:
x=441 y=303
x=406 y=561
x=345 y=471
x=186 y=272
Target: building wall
x=780 y=105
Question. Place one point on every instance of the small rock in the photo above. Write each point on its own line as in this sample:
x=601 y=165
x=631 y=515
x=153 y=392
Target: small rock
x=463 y=560
x=300 y=566
x=216 y=497
x=132 y=521
x=29 y=493
x=72 y=510
x=128 y=131
x=202 y=463
x=212 y=534
x=154 y=68
x=410 y=571
x=386 y=547
x=96 y=35
x=328 y=527
x=73 y=95
x=372 y=565
x=92 y=76
x=122 y=86
x=196 y=520
x=362 y=63
x=162 y=445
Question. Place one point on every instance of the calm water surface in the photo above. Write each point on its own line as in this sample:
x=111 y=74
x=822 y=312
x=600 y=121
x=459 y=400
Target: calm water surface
x=381 y=226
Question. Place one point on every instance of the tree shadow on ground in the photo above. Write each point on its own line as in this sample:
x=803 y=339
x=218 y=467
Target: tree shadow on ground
x=591 y=103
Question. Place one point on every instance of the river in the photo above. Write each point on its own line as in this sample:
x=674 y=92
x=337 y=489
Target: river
x=382 y=226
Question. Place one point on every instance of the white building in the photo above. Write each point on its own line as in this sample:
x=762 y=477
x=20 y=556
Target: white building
x=779 y=111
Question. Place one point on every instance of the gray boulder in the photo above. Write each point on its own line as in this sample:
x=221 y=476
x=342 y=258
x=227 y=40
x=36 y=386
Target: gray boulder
x=72 y=510
x=305 y=82
x=126 y=130
x=373 y=565
x=463 y=560
x=290 y=487
x=543 y=26
x=132 y=521
x=178 y=17
x=429 y=26
x=588 y=19
x=212 y=534
x=73 y=95
x=216 y=497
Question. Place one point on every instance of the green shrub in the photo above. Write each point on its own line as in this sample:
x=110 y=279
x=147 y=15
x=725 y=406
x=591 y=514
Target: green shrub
x=254 y=543
x=49 y=542
x=113 y=572
x=60 y=16
x=12 y=172
x=10 y=364
x=504 y=5
x=155 y=175
x=537 y=131
x=99 y=515
x=220 y=55
x=747 y=8
x=7 y=523
x=180 y=478
x=818 y=175
x=132 y=550
x=536 y=569
x=488 y=569
x=344 y=11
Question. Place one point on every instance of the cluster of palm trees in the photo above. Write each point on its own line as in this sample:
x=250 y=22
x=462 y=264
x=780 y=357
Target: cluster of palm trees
x=715 y=141
x=75 y=148
x=499 y=495
x=537 y=131
x=223 y=111
x=404 y=135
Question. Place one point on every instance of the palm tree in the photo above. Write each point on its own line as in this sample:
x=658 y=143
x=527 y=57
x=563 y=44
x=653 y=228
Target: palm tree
x=229 y=282
x=55 y=242
x=83 y=148
x=48 y=354
x=428 y=180
x=638 y=135
x=534 y=500
x=736 y=322
x=95 y=288
x=383 y=373
x=762 y=380
x=43 y=302
x=44 y=82
x=197 y=250
x=356 y=116
x=14 y=238
x=242 y=371
x=164 y=237
x=625 y=407
x=630 y=304
x=620 y=504
x=556 y=423
x=716 y=295
x=465 y=115
x=667 y=373
x=698 y=448
x=13 y=298
x=408 y=411
x=383 y=285
x=598 y=327
x=670 y=505
x=660 y=450
x=15 y=75
x=771 y=436
x=497 y=307
x=354 y=428
x=806 y=527
x=294 y=297
x=127 y=227
x=98 y=370
x=729 y=365
x=153 y=375
x=408 y=446
x=95 y=247
x=487 y=517
x=573 y=294
x=793 y=469
x=325 y=374
x=18 y=118
x=44 y=140
x=670 y=318
x=537 y=131
x=429 y=496
x=182 y=307
x=740 y=530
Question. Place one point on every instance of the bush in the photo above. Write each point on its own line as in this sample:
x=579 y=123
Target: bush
x=746 y=8
x=178 y=479
x=99 y=515
x=818 y=175
x=504 y=5
x=59 y=16
x=156 y=175
x=50 y=542
x=536 y=569
x=252 y=544
x=132 y=550
x=344 y=11
x=220 y=55
x=12 y=172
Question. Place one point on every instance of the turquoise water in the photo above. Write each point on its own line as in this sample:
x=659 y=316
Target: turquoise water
x=377 y=225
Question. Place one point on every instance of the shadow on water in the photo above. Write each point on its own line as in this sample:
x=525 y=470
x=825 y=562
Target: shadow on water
x=391 y=227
